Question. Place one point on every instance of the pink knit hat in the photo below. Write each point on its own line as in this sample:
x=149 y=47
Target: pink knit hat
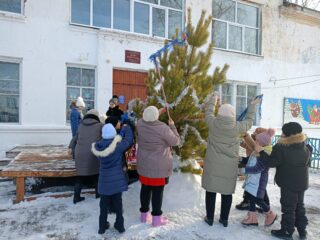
x=264 y=138
x=226 y=110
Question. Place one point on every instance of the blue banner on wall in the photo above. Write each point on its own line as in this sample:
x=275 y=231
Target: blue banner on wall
x=304 y=111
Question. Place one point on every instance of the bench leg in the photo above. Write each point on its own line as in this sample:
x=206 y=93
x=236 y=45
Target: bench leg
x=19 y=189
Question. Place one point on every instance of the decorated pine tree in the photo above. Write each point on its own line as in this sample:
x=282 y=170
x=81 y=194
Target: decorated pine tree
x=187 y=81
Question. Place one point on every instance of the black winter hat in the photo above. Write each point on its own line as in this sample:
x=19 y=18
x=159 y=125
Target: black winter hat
x=113 y=120
x=291 y=128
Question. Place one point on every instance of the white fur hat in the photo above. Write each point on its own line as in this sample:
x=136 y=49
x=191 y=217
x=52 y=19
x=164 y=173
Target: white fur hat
x=150 y=114
x=227 y=110
x=94 y=112
x=80 y=102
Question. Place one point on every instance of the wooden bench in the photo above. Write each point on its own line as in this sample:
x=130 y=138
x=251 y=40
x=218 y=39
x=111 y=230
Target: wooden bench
x=54 y=163
x=39 y=161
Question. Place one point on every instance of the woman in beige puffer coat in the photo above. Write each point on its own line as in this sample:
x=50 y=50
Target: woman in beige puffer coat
x=221 y=161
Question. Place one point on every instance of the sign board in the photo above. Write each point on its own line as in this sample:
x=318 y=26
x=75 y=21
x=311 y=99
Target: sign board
x=304 y=111
x=132 y=56
x=122 y=100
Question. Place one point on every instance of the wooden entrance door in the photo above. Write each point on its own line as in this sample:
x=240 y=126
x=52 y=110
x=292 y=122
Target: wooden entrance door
x=129 y=84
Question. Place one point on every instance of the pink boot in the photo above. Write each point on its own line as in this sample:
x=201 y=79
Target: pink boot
x=159 y=221
x=270 y=218
x=251 y=219
x=145 y=216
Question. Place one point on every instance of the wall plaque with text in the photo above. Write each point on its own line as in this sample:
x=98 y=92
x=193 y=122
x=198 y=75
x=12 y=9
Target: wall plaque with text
x=132 y=56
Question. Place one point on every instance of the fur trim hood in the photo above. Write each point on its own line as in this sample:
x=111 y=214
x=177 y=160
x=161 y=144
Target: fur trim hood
x=105 y=147
x=293 y=139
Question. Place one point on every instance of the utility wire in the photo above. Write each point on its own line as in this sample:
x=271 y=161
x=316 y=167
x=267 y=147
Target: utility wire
x=292 y=85
x=289 y=78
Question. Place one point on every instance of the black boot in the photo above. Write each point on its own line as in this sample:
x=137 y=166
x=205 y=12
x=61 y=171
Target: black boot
x=223 y=222
x=302 y=234
x=102 y=230
x=209 y=221
x=244 y=205
x=282 y=234
x=77 y=192
x=119 y=227
x=96 y=191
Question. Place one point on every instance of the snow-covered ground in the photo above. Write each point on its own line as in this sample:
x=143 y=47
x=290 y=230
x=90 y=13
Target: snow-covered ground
x=48 y=218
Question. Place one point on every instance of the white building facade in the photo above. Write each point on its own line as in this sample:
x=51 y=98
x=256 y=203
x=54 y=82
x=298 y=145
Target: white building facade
x=53 y=51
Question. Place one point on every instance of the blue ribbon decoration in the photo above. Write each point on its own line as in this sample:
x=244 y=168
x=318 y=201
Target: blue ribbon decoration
x=167 y=47
x=244 y=113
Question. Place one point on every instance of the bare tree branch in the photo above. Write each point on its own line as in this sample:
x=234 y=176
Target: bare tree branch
x=313 y=4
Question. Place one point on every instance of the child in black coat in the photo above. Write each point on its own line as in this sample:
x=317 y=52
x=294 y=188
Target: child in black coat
x=290 y=156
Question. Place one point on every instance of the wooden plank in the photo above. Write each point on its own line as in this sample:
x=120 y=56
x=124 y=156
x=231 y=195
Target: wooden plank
x=19 y=189
x=33 y=148
x=59 y=195
x=15 y=174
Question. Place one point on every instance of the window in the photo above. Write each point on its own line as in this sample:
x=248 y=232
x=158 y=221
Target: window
x=102 y=13
x=9 y=92
x=158 y=18
x=14 y=6
x=238 y=95
x=80 y=82
x=236 y=26
x=121 y=12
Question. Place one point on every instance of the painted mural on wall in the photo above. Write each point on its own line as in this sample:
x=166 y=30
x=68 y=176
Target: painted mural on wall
x=304 y=111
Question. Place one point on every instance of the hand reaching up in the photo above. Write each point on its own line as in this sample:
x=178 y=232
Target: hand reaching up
x=256 y=101
x=170 y=122
x=162 y=110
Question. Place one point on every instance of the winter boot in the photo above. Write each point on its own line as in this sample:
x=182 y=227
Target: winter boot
x=223 y=222
x=270 y=218
x=302 y=234
x=120 y=228
x=103 y=229
x=244 y=205
x=282 y=234
x=251 y=219
x=209 y=221
x=158 y=221
x=77 y=192
x=145 y=216
x=96 y=192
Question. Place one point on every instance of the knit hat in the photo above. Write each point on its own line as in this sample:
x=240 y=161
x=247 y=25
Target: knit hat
x=264 y=138
x=108 y=131
x=150 y=114
x=291 y=128
x=113 y=120
x=94 y=112
x=226 y=110
x=80 y=102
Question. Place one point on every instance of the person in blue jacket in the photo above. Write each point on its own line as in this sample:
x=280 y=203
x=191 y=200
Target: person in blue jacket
x=76 y=114
x=112 y=176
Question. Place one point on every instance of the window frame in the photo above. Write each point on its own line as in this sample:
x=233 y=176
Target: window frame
x=17 y=61
x=14 y=13
x=131 y=18
x=81 y=66
x=243 y=27
x=234 y=95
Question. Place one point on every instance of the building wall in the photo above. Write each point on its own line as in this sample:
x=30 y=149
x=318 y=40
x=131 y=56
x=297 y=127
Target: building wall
x=46 y=43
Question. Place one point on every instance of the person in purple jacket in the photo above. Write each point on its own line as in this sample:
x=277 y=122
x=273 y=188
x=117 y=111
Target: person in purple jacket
x=256 y=183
